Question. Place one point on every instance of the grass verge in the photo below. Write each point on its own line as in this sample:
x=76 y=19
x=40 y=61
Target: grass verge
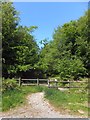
x=13 y=98
x=73 y=101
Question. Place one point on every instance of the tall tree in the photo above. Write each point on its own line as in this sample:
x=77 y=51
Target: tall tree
x=26 y=49
x=20 y=50
x=68 y=54
x=9 y=24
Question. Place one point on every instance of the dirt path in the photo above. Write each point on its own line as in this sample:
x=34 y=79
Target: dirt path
x=36 y=107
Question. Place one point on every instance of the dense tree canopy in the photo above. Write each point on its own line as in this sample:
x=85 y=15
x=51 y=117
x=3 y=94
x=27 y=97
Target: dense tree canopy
x=66 y=56
x=20 y=50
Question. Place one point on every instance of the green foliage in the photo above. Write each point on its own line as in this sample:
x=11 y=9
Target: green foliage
x=9 y=84
x=9 y=24
x=68 y=54
x=20 y=50
x=70 y=69
x=26 y=50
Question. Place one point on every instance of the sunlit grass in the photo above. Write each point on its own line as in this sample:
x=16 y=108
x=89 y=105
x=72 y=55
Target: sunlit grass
x=13 y=98
x=72 y=99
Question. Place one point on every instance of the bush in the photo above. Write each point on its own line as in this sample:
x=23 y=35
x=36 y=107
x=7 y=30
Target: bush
x=9 y=84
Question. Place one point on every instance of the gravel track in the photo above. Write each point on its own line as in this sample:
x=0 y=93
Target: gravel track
x=36 y=107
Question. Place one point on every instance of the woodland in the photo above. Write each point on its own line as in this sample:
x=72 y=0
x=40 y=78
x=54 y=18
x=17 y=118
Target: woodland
x=66 y=56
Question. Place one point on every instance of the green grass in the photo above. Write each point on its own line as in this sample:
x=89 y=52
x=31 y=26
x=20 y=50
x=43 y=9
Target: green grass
x=13 y=98
x=73 y=99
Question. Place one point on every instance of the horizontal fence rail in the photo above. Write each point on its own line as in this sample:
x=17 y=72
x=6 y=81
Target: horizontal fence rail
x=51 y=83
x=32 y=81
x=58 y=84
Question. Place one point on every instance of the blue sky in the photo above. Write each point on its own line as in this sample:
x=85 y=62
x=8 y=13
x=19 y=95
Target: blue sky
x=47 y=16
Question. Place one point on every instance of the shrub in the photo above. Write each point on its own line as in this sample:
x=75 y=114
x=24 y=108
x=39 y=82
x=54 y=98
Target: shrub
x=9 y=84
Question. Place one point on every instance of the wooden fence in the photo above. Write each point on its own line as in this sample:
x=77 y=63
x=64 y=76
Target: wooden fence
x=32 y=81
x=50 y=83
x=61 y=84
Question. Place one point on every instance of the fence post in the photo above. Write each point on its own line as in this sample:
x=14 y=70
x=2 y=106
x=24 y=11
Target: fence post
x=48 y=83
x=69 y=84
x=56 y=82
x=19 y=81
x=37 y=81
